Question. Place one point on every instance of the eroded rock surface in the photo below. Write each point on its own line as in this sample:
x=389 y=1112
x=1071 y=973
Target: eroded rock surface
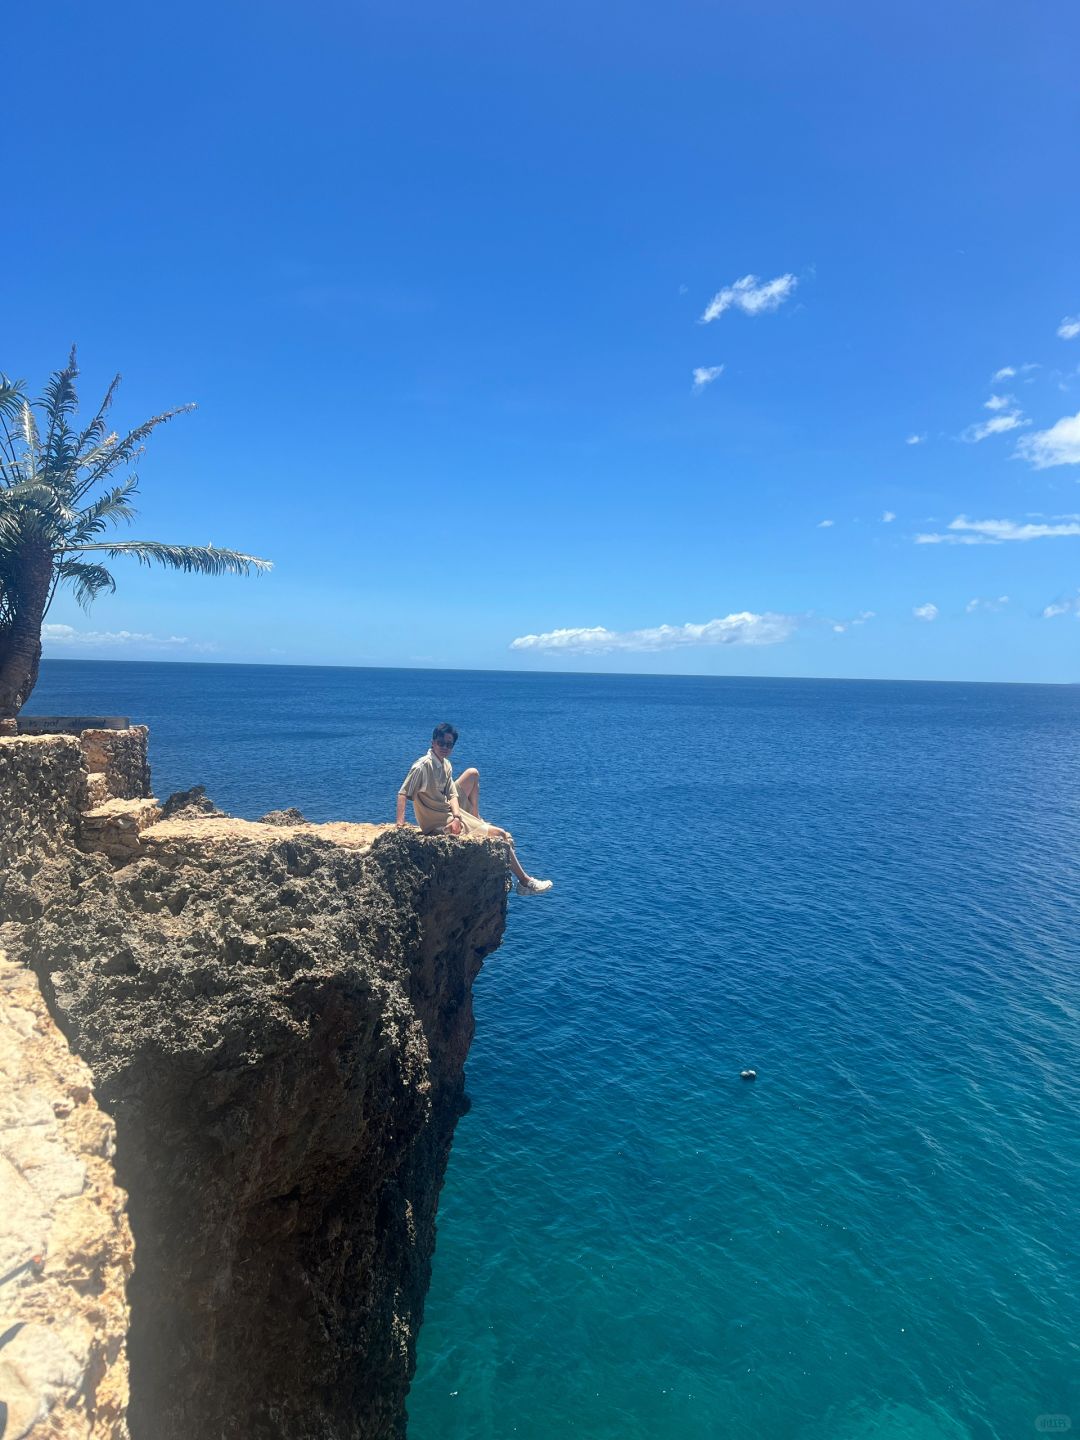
x=277 y=1017
x=65 y=1243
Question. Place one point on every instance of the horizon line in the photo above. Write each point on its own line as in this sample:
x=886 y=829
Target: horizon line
x=581 y=674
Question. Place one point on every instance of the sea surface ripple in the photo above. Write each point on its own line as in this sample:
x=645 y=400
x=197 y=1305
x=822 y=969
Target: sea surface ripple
x=865 y=891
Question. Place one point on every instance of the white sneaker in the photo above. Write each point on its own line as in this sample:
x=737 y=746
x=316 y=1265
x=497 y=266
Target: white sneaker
x=534 y=887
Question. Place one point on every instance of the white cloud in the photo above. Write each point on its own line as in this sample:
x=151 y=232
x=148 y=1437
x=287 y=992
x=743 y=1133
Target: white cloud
x=61 y=635
x=1069 y=328
x=915 y=440
x=963 y=531
x=999 y=402
x=980 y=603
x=996 y=425
x=1010 y=372
x=825 y=524
x=840 y=626
x=743 y=628
x=925 y=612
x=750 y=295
x=705 y=375
x=1062 y=607
x=888 y=517
x=1060 y=445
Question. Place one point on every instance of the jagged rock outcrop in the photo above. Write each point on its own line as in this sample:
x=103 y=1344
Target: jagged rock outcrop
x=277 y=1016
x=289 y=816
x=42 y=795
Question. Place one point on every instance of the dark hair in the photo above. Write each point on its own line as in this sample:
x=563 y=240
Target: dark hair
x=441 y=731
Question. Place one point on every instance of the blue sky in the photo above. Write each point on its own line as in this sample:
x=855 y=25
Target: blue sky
x=437 y=277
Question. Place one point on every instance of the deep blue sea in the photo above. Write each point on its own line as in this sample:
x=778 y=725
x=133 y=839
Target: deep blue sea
x=866 y=891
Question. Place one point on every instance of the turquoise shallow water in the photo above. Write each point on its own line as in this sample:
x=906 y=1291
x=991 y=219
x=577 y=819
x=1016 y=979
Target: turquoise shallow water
x=865 y=891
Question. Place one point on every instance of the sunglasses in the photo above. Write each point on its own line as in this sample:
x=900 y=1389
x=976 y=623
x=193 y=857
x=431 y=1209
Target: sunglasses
x=444 y=744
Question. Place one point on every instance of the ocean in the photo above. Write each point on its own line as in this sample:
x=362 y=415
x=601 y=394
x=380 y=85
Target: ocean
x=867 y=892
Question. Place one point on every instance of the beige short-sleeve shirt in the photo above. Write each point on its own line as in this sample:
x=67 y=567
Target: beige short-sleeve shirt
x=430 y=785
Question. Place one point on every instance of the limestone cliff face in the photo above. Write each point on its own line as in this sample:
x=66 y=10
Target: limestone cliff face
x=65 y=1242
x=277 y=1017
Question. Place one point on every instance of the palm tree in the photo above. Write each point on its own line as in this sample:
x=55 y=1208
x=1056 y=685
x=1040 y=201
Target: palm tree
x=60 y=491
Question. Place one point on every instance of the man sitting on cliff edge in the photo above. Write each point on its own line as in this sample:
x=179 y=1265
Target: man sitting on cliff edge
x=443 y=806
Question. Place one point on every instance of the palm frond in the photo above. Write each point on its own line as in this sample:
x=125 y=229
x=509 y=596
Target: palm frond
x=37 y=496
x=62 y=459
x=59 y=401
x=26 y=491
x=30 y=436
x=94 y=433
x=194 y=559
x=86 y=579
x=58 y=397
x=11 y=397
x=10 y=528
x=108 y=509
x=125 y=450
x=100 y=451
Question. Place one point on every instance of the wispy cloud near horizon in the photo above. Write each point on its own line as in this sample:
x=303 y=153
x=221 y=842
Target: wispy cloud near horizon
x=53 y=634
x=982 y=603
x=742 y=628
x=963 y=531
x=750 y=295
x=842 y=626
x=927 y=612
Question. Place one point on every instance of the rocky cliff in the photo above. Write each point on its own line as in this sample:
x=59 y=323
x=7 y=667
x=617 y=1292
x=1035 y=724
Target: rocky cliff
x=276 y=1017
x=65 y=1242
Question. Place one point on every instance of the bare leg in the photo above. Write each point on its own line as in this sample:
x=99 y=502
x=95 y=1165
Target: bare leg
x=468 y=789
x=515 y=864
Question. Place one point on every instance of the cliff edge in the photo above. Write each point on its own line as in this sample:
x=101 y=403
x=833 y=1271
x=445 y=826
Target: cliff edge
x=276 y=1017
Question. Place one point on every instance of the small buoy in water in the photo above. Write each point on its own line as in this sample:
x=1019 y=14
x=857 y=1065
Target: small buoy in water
x=747 y=1074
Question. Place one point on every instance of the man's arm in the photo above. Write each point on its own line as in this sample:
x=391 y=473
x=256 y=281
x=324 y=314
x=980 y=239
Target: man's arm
x=409 y=787
x=452 y=800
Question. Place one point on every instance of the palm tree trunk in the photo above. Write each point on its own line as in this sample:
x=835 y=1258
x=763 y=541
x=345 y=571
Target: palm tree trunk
x=20 y=644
